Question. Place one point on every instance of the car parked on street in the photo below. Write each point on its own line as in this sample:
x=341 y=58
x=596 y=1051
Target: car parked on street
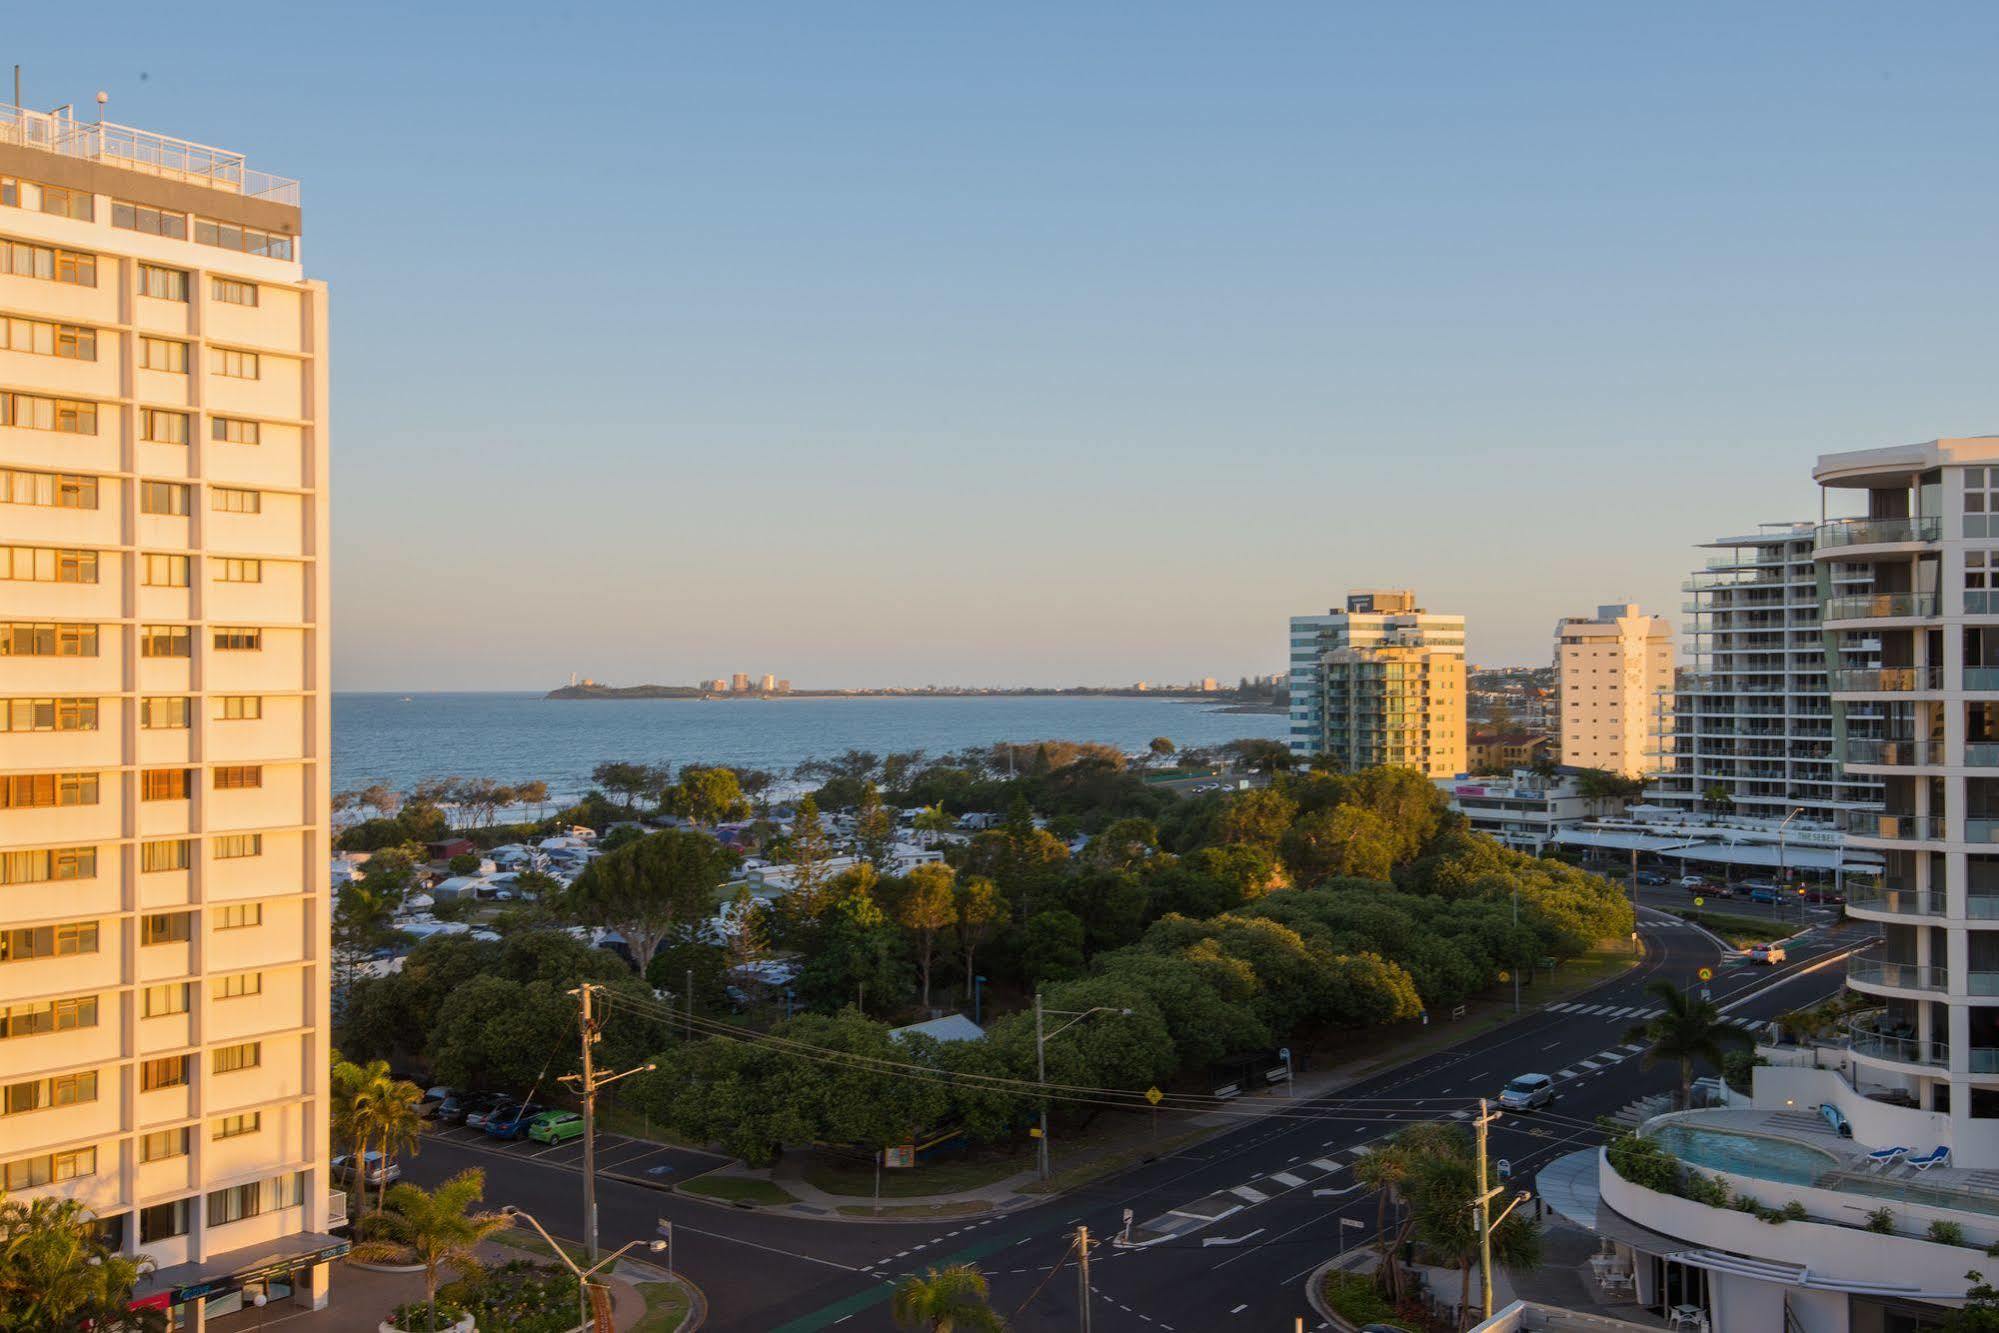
x=1767 y=954
x=1528 y=1092
x=433 y=1098
x=556 y=1127
x=453 y=1109
x=483 y=1116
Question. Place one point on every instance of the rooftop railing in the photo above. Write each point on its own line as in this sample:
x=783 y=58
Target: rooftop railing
x=143 y=151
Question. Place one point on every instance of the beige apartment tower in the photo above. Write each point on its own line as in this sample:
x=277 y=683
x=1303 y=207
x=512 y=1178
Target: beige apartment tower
x=1614 y=683
x=1380 y=682
x=163 y=709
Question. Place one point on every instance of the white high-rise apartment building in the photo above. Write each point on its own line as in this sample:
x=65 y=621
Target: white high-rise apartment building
x=1381 y=682
x=163 y=708
x=1613 y=681
x=1750 y=733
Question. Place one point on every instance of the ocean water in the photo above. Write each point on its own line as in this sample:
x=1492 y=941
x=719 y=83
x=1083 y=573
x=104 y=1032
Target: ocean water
x=520 y=737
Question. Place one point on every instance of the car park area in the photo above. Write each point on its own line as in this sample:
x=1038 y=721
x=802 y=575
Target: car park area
x=617 y=1154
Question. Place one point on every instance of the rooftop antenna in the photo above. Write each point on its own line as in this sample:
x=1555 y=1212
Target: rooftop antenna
x=17 y=85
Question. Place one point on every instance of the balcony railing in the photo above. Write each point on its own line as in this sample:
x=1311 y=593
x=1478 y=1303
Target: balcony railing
x=1893 y=753
x=1901 y=976
x=1873 y=1036
x=1869 y=824
x=1877 y=531
x=1886 y=680
x=1981 y=678
x=1869 y=894
x=336 y=1208
x=1880 y=605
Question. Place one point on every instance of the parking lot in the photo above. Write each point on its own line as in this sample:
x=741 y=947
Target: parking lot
x=617 y=1154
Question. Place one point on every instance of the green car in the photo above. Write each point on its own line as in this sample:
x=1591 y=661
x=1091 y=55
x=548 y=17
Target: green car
x=556 y=1127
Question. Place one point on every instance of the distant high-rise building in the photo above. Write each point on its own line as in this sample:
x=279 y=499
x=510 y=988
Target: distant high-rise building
x=1209 y=685
x=163 y=699
x=769 y=684
x=740 y=683
x=784 y=687
x=1612 y=674
x=719 y=685
x=1380 y=682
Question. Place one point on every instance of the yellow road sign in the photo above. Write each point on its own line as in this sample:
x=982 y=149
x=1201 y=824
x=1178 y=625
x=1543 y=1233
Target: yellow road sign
x=1707 y=974
x=1154 y=1095
x=1700 y=902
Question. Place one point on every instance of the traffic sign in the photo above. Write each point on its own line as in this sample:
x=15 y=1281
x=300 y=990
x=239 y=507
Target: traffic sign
x=1154 y=1095
x=1700 y=902
x=1707 y=974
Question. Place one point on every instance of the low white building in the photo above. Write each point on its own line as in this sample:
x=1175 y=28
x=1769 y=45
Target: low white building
x=1527 y=809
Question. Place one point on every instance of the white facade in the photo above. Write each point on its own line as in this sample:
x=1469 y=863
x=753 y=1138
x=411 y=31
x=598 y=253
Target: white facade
x=1751 y=729
x=1527 y=809
x=163 y=667
x=1613 y=683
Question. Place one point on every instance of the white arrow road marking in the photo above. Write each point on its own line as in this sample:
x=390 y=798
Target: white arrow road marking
x=1206 y=1241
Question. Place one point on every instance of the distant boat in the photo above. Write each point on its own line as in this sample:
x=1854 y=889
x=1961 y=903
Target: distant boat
x=406 y=699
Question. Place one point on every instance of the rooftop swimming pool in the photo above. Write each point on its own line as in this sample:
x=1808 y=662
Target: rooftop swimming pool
x=1754 y=1155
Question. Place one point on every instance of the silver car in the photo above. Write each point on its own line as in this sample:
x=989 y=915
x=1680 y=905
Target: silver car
x=1528 y=1092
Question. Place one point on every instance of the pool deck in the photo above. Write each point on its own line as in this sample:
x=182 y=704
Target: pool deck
x=1957 y=1187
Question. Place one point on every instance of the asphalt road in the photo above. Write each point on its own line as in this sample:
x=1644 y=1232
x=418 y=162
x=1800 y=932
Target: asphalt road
x=1235 y=1223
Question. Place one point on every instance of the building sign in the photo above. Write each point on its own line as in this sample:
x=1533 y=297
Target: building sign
x=904 y=1156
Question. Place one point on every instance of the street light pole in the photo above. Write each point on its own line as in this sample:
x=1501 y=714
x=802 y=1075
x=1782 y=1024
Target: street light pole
x=1781 y=876
x=583 y=1275
x=1041 y=1037
x=585 y=1086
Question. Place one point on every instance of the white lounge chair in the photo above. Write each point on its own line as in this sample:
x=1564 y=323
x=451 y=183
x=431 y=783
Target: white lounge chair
x=1939 y=1156
x=1882 y=1158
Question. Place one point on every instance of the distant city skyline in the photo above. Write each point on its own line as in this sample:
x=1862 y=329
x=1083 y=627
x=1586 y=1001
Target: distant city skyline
x=1066 y=343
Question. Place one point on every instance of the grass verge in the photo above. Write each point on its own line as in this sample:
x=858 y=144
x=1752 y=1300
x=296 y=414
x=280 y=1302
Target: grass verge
x=1085 y=1172
x=857 y=1179
x=1739 y=931
x=734 y=1189
x=1354 y=1298
x=666 y=1308
x=528 y=1241
x=956 y=1208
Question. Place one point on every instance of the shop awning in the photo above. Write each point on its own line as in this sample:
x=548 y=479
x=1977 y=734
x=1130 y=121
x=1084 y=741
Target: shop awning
x=231 y=1269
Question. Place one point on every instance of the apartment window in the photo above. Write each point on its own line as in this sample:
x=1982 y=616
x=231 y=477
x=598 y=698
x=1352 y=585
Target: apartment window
x=239 y=639
x=230 y=1059
x=165 y=354
x=237 y=916
x=20 y=638
x=239 y=707
x=238 y=1201
x=230 y=500
x=238 y=986
x=163 y=571
x=164 y=784
x=164 y=712
x=166 y=928
x=163 y=497
x=238 y=777
x=164 y=1221
x=47 y=791
x=168 y=1071
x=162 y=1145
x=48 y=715
x=47 y=564
x=166 y=854
x=46 y=865
x=233 y=569
x=51 y=490
x=232 y=291
x=163 y=641
x=59 y=1090
x=1981 y=578
x=233 y=430
x=167 y=284
x=26 y=1173
x=164 y=1001
x=39 y=198
x=30 y=1020
x=249 y=240
x=64 y=941
x=233 y=363
x=237 y=846
x=50 y=263
x=28 y=411
x=162 y=427
x=45 y=337
x=151 y=221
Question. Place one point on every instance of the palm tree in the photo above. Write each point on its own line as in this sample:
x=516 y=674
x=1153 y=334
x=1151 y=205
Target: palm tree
x=945 y=1300
x=435 y=1228
x=379 y=1112
x=1687 y=1031
x=1384 y=1170
x=57 y=1270
x=1445 y=1191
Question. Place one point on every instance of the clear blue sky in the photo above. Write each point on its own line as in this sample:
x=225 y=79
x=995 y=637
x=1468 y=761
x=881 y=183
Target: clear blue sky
x=1041 y=343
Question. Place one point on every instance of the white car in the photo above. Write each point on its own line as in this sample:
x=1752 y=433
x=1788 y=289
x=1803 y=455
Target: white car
x=1768 y=954
x=1527 y=1092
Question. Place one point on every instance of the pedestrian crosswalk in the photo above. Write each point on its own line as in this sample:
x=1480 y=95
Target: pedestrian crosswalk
x=1637 y=1015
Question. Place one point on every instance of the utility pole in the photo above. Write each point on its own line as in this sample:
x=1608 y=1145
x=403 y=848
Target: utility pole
x=585 y=1086
x=1083 y=1275
x=1482 y=1208
x=1040 y=1077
